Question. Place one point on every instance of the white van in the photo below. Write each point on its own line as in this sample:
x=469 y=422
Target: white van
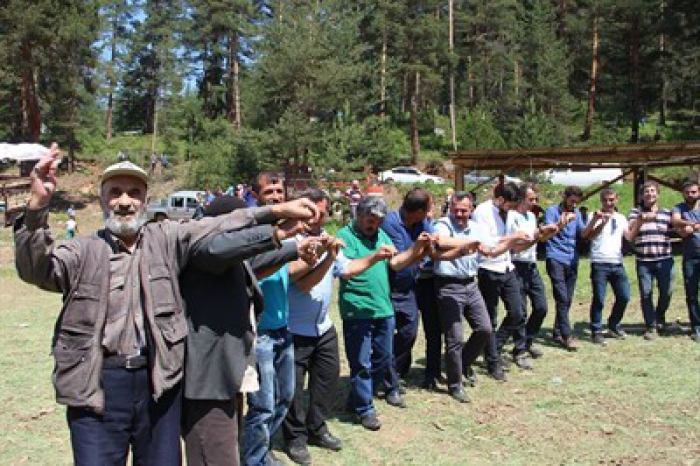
x=582 y=176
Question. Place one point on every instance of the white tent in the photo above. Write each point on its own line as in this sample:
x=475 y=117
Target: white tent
x=21 y=152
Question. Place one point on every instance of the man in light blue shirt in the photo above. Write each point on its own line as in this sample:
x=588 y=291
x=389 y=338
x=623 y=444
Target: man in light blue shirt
x=562 y=260
x=315 y=347
x=457 y=292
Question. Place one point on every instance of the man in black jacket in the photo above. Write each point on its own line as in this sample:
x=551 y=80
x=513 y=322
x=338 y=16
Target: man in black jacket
x=220 y=291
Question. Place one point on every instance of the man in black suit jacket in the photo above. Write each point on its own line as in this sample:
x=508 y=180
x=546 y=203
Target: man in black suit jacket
x=219 y=295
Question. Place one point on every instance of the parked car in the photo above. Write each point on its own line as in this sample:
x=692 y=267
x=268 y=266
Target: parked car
x=180 y=205
x=582 y=176
x=479 y=177
x=408 y=175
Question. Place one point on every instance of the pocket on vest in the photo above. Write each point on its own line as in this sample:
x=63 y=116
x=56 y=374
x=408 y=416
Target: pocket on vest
x=161 y=287
x=75 y=376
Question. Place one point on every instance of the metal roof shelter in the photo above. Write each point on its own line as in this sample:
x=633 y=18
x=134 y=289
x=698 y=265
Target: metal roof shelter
x=633 y=159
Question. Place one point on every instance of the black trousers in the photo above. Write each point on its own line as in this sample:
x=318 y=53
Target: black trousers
x=210 y=429
x=455 y=300
x=430 y=316
x=532 y=286
x=504 y=286
x=318 y=357
x=563 y=278
x=131 y=418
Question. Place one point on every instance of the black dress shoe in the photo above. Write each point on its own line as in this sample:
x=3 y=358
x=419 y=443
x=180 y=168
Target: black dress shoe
x=470 y=375
x=395 y=399
x=429 y=384
x=497 y=373
x=370 y=422
x=326 y=440
x=460 y=395
x=298 y=453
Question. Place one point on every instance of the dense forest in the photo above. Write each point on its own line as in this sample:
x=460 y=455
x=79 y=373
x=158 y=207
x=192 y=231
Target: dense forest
x=239 y=85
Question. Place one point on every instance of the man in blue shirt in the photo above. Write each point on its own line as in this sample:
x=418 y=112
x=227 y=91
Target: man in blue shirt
x=686 y=220
x=403 y=227
x=562 y=260
x=274 y=350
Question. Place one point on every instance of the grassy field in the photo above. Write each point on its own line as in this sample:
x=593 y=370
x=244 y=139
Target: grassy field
x=632 y=402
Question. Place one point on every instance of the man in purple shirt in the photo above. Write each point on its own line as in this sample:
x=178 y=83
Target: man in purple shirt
x=562 y=260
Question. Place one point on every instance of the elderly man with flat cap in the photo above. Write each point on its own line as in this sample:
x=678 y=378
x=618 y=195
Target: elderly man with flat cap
x=119 y=340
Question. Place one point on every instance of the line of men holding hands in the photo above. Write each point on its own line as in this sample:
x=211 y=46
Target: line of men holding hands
x=165 y=325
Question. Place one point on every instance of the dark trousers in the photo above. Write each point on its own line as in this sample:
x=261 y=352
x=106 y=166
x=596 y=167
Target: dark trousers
x=456 y=299
x=210 y=430
x=494 y=285
x=532 y=287
x=406 y=313
x=318 y=357
x=601 y=275
x=660 y=271
x=563 y=279
x=430 y=316
x=691 y=280
x=131 y=418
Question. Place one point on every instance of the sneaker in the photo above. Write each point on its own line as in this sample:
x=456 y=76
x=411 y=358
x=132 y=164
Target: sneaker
x=470 y=375
x=460 y=395
x=395 y=399
x=498 y=373
x=597 y=339
x=650 y=334
x=535 y=352
x=326 y=440
x=617 y=333
x=522 y=360
x=298 y=453
x=370 y=422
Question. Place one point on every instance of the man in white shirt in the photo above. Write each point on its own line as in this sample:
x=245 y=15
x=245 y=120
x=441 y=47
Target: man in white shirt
x=524 y=258
x=605 y=231
x=497 y=279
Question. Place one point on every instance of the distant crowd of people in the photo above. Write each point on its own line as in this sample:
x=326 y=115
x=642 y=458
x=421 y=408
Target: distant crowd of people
x=167 y=327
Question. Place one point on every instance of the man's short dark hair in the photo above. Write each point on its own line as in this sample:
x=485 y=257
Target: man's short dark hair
x=459 y=196
x=573 y=191
x=314 y=195
x=607 y=192
x=510 y=192
x=270 y=177
x=650 y=184
x=689 y=183
x=416 y=199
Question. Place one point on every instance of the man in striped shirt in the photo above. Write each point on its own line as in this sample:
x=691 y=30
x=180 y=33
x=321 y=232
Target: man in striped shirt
x=650 y=228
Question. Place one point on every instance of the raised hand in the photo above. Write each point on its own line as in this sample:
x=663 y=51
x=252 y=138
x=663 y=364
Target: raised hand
x=43 y=178
x=307 y=250
x=302 y=209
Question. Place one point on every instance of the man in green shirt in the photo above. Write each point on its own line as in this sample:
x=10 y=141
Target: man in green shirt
x=365 y=305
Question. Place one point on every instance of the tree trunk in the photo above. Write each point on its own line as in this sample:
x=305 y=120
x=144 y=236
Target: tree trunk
x=592 y=86
x=31 y=117
x=563 y=28
x=233 y=92
x=451 y=30
x=382 y=77
x=112 y=84
x=415 y=142
x=663 y=102
x=634 y=75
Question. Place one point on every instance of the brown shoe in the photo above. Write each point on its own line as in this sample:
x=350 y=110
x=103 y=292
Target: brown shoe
x=568 y=343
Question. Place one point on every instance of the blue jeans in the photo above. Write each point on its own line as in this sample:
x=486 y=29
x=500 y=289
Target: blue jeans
x=691 y=279
x=647 y=272
x=563 y=278
x=268 y=406
x=405 y=306
x=369 y=349
x=601 y=275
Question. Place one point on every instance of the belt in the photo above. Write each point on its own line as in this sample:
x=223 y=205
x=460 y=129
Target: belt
x=463 y=281
x=130 y=362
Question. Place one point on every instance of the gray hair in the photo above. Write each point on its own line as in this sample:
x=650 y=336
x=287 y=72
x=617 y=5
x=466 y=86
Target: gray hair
x=372 y=205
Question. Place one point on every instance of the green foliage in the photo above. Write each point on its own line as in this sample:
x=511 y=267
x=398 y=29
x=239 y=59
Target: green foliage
x=477 y=129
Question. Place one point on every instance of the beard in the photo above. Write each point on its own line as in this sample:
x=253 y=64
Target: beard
x=119 y=227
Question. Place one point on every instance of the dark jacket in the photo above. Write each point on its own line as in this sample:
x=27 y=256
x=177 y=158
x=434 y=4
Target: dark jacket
x=80 y=270
x=219 y=295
